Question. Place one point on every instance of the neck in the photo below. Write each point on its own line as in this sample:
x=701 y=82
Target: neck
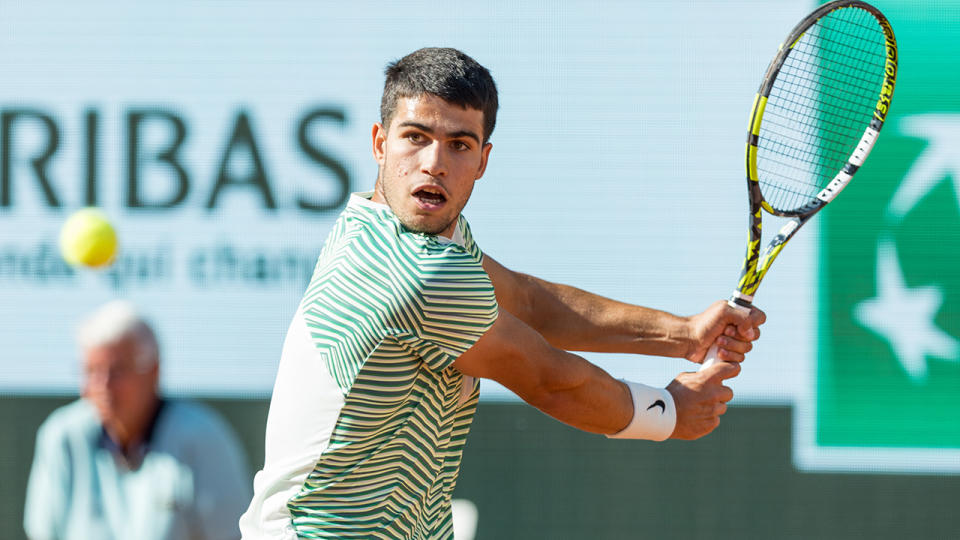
x=132 y=432
x=378 y=193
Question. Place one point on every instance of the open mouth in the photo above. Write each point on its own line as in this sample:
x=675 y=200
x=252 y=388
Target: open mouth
x=430 y=196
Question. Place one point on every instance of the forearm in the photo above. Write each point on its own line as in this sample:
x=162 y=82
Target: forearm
x=583 y=396
x=561 y=384
x=574 y=319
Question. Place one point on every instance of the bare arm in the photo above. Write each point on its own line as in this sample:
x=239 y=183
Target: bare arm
x=573 y=319
x=574 y=391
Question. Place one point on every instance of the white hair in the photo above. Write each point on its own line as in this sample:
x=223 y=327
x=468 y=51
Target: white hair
x=117 y=321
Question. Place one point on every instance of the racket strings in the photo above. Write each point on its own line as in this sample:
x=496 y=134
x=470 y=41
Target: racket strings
x=795 y=142
x=810 y=58
x=833 y=78
x=819 y=106
x=831 y=131
x=839 y=107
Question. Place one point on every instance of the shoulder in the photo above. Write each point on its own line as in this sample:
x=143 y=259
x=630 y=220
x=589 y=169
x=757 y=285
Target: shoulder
x=199 y=438
x=469 y=244
x=186 y=420
x=77 y=419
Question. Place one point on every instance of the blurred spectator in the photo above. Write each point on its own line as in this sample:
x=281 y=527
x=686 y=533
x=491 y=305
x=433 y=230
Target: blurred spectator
x=124 y=463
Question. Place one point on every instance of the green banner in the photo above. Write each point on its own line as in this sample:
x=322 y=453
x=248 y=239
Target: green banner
x=888 y=365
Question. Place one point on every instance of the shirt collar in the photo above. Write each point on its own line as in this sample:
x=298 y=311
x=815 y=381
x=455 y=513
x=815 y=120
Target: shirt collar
x=362 y=200
x=133 y=457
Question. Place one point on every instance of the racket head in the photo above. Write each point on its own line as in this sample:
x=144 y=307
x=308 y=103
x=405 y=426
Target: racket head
x=820 y=107
x=815 y=118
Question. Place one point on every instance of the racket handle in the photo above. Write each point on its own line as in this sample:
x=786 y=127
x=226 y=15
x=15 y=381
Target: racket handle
x=714 y=350
x=711 y=357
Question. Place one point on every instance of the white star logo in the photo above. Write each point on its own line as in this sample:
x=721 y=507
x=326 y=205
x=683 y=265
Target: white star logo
x=904 y=316
x=938 y=161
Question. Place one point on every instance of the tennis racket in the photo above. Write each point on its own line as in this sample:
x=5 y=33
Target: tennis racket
x=815 y=118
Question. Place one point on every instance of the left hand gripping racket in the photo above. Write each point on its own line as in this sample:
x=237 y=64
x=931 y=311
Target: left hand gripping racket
x=815 y=118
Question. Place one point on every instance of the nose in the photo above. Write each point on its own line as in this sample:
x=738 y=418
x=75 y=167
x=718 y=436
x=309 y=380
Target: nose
x=434 y=160
x=95 y=386
x=103 y=378
x=98 y=383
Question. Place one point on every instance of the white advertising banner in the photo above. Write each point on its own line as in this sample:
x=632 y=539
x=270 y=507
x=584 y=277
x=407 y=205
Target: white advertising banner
x=222 y=139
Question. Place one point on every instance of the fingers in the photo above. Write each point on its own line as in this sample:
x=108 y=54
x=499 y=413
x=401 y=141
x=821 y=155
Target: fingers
x=723 y=370
x=727 y=355
x=749 y=323
x=701 y=399
x=717 y=407
x=731 y=347
x=747 y=330
x=720 y=409
x=737 y=339
x=734 y=332
x=725 y=395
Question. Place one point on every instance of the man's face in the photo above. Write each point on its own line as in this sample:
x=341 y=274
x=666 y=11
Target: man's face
x=121 y=391
x=430 y=156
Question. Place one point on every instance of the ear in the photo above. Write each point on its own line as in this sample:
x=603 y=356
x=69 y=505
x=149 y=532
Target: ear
x=379 y=136
x=484 y=156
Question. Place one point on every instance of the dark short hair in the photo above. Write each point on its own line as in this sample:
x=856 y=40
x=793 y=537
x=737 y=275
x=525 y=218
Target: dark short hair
x=446 y=73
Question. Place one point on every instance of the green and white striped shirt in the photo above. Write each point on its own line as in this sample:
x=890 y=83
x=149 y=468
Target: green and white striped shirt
x=369 y=418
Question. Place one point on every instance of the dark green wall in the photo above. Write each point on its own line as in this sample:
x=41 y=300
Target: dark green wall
x=532 y=477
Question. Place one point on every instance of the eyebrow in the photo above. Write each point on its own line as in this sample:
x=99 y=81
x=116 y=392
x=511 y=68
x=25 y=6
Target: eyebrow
x=454 y=135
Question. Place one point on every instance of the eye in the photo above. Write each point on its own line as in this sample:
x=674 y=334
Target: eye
x=414 y=137
x=461 y=146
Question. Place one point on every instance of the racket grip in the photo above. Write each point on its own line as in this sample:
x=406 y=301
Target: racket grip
x=711 y=357
x=714 y=350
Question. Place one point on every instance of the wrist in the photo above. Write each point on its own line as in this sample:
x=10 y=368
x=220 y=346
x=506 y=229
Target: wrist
x=654 y=414
x=687 y=329
x=664 y=334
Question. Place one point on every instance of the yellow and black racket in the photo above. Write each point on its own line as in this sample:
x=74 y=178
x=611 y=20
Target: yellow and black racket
x=815 y=118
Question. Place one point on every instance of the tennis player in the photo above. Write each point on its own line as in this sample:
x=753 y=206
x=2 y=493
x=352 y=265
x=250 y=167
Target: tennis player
x=378 y=379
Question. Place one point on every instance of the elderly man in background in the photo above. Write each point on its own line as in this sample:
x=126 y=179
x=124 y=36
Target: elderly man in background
x=123 y=462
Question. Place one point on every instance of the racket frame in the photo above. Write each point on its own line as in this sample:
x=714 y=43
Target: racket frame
x=757 y=263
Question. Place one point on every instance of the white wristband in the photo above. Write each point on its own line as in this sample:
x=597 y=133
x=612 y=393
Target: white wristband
x=654 y=414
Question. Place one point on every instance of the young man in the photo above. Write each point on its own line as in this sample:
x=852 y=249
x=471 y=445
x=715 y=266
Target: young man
x=377 y=384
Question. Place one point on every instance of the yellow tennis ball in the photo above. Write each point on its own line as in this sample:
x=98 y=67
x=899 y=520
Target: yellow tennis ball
x=88 y=239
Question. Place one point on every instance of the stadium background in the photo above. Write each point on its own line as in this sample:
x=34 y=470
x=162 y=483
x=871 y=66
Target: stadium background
x=221 y=138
